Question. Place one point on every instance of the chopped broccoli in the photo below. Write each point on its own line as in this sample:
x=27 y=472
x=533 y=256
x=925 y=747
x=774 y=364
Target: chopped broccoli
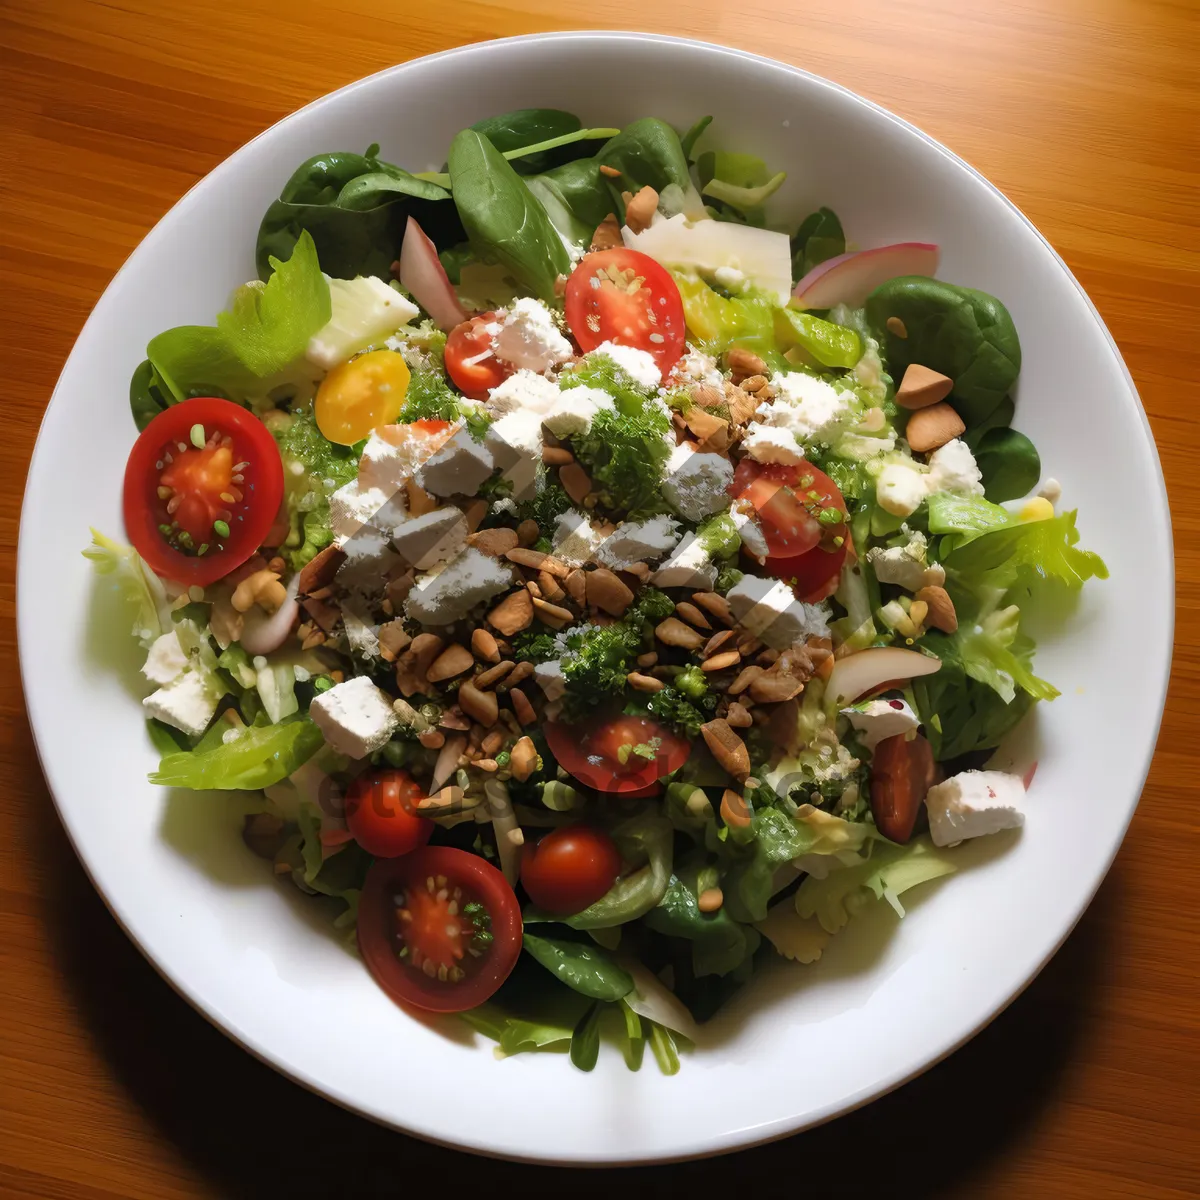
x=547 y=503
x=676 y=710
x=651 y=605
x=531 y=646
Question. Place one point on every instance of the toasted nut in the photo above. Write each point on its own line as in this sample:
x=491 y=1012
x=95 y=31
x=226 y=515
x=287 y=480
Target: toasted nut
x=754 y=384
x=767 y=657
x=922 y=387
x=576 y=585
x=392 y=639
x=485 y=646
x=748 y=644
x=717 y=640
x=639 y=211
x=774 y=689
x=738 y=715
x=495 y=542
x=262 y=588
x=639 y=570
x=326 y=616
x=523 y=759
x=492 y=743
x=705 y=425
x=535 y=560
x=533 y=589
x=442 y=802
x=744 y=363
x=575 y=481
x=557 y=456
x=941 y=613
x=611 y=173
x=432 y=739
x=742 y=405
x=454 y=660
x=647 y=660
x=513 y=613
x=727 y=748
x=608 y=232
x=734 y=810
x=917 y=613
x=549 y=587
x=424 y=649
x=710 y=900
x=745 y=678
x=474 y=511
x=896 y=326
x=721 y=662
x=932 y=427
x=607 y=592
x=674 y=632
x=553 y=615
x=522 y=707
x=644 y=683
x=707 y=396
x=479 y=706
x=715 y=605
x=420 y=501
x=520 y=673
x=489 y=765
x=691 y=614
x=320 y=571
x=398 y=589
x=493 y=675
x=528 y=532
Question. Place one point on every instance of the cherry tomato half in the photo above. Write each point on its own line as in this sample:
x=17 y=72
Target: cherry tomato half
x=593 y=752
x=358 y=396
x=902 y=772
x=439 y=928
x=202 y=487
x=814 y=576
x=570 y=868
x=791 y=501
x=470 y=360
x=381 y=813
x=626 y=297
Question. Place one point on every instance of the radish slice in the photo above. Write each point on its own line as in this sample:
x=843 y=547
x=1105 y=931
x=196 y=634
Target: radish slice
x=851 y=278
x=422 y=273
x=264 y=634
x=857 y=674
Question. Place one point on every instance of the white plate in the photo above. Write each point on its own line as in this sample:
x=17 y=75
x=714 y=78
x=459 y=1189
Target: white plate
x=802 y=1044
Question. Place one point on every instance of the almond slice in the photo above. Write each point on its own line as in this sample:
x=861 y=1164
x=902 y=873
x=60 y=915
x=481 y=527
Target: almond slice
x=931 y=428
x=494 y=542
x=922 y=387
x=607 y=592
x=513 y=613
x=454 y=660
x=727 y=748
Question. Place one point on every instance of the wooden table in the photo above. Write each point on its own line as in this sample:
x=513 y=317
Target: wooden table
x=1087 y=113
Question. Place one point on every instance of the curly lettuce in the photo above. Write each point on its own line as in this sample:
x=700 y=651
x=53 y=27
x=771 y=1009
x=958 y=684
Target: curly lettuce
x=127 y=572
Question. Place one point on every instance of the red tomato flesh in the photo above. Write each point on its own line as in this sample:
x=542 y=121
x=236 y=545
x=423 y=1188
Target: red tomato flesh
x=439 y=929
x=593 y=752
x=203 y=485
x=570 y=868
x=814 y=576
x=470 y=360
x=381 y=813
x=624 y=296
x=790 y=500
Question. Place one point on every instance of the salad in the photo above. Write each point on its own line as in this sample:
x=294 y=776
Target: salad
x=603 y=590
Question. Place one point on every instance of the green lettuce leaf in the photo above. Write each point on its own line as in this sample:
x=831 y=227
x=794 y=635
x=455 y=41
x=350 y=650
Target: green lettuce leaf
x=261 y=756
x=748 y=883
x=583 y=968
x=719 y=943
x=124 y=568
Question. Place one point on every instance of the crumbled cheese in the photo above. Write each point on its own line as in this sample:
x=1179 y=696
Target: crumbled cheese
x=639 y=365
x=772 y=444
x=690 y=566
x=638 y=541
x=809 y=407
x=576 y=539
x=187 y=703
x=363 y=636
x=447 y=595
x=515 y=442
x=575 y=409
x=1051 y=490
x=879 y=719
x=745 y=521
x=370 y=560
x=952 y=468
x=458 y=468
x=394 y=453
x=900 y=489
x=907 y=566
x=432 y=538
x=357 y=507
x=356 y=717
x=697 y=367
x=166 y=660
x=549 y=676
x=972 y=804
x=696 y=482
x=768 y=609
x=523 y=390
x=529 y=338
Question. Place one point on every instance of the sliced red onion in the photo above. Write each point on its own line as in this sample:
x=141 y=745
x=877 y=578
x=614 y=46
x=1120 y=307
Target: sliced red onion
x=422 y=273
x=263 y=634
x=851 y=278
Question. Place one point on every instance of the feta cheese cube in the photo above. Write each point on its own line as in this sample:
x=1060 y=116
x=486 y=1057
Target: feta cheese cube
x=900 y=489
x=355 y=508
x=809 y=407
x=879 y=719
x=690 y=566
x=772 y=444
x=549 y=676
x=972 y=804
x=907 y=565
x=515 y=443
x=745 y=521
x=432 y=538
x=696 y=482
x=166 y=660
x=363 y=635
x=458 y=468
x=768 y=609
x=576 y=539
x=187 y=703
x=355 y=717
x=575 y=410
x=365 y=312
x=638 y=541
x=448 y=594
x=393 y=454
x=370 y=561
x=523 y=390
x=697 y=367
x=639 y=365
x=952 y=468
x=530 y=339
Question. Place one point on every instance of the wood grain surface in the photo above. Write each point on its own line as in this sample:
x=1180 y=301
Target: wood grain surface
x=1087 y=114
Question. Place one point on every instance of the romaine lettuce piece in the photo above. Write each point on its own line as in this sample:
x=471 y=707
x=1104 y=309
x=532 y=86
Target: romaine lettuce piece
x=260 y=756
x=142 y=589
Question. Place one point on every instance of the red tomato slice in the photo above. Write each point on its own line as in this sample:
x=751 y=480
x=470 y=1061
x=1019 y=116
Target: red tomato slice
x=789 y=500
x=470 y=360
x=814 y=576
x=570 y=868
x=381 y=813
x=196 y=511
x=592 y=752
x=624 y=296
x=421 y=936
x=902 y=771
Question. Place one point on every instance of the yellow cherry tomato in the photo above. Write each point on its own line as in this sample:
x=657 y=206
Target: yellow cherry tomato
x=358 y=396
x=1037 y=509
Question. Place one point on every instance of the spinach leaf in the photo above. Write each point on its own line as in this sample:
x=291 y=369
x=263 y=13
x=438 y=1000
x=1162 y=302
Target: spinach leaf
x=963 y=333
x=148 y=395
x=687 y=143
x=819 y=238
x=355 y=207
x=647 y=153
x=1010 y=464
x=503 y=219
x=585 y=1039
x=719 y=943
x=1001 y=418
x=747 y=884
x=576 y=198
x=585 y=969
x=529 y=126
